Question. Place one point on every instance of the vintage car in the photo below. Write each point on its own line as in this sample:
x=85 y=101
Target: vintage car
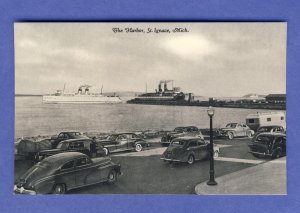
x=29 y=148
x=73 y=145
x=180 y=132
x=269 y=145
x=188 y=149
x=65 y=136
x=233 y=130
x=122 y=142
x=271 y=128
x=62 y=172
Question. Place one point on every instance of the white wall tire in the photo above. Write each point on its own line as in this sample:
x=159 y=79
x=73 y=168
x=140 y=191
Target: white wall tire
x=105 y=151
x=112 y=177
x=216 y=154
x=230 y=136
x=138 y=147
x=191 y=159
x=59 y=189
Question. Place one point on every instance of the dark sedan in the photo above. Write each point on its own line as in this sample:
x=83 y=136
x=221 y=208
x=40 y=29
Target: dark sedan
x=271 y=128
x=188 y=149
x=65 y=171
x=73 y=145
x=180 y=132
x=269 y=145
x=65 y=136
x=123 y=142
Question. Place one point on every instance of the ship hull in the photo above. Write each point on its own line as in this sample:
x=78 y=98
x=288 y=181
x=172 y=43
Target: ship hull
x=81 y=99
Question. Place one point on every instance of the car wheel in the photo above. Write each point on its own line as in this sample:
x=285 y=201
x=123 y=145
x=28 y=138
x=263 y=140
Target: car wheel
x=138 y=147
x=216 y=154
x=249 y=134
x=105 y=151
x=59 y=189
x=191 y=159
x=278 y=154
x=230 y=136
x=112 y=176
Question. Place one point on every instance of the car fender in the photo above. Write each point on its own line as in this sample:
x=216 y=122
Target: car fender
x=44 y=186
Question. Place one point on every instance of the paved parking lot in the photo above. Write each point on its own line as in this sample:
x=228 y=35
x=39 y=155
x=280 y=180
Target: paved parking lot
x=145 y=173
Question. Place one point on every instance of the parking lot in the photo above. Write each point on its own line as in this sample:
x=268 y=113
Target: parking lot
x=145 y=173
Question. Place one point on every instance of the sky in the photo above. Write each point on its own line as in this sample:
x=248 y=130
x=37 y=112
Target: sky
x=211 y=59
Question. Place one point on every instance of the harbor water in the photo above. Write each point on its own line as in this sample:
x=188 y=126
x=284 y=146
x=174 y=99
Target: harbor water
x=33 y=118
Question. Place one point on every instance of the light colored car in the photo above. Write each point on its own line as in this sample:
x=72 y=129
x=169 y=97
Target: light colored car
x=233 y=130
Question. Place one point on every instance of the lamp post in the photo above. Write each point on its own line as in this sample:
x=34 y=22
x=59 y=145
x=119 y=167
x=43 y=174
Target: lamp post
x=211 y=181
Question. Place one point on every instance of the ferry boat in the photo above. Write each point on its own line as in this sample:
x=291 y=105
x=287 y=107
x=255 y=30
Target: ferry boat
x=163 y=95
x=83 y=95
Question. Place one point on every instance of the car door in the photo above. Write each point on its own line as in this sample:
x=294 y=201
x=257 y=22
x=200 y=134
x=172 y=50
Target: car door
x=66 y=174
x=239 y=130
x=83 y=169
x=122 y=143
x=203 y=152
x=194 y=148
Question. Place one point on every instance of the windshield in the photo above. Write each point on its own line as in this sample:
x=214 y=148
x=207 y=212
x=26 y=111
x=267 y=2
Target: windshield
x=231 y=125
x=62 y=146
x=179 y=129
x=74 y=133
x=264 y=140
x=264 y=129
x=178 y=143
x=112 y=137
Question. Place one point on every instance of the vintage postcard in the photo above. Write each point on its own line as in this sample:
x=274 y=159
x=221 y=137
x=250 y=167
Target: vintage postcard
x=150 y=108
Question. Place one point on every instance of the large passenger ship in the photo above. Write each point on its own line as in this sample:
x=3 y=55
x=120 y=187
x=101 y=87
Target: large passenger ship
x=83 y=95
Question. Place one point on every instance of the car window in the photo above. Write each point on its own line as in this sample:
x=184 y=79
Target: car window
x=66 y=136
x=178 y=143
x=61 y=135
x=231 y=125
x=78 y=145
x=68 y=165
x=201 y=142
x=81 y=162
x=244 y=125
x=62 y=145
x=193 y=143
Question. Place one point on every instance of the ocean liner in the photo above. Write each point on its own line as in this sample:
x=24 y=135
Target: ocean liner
x=83 y=95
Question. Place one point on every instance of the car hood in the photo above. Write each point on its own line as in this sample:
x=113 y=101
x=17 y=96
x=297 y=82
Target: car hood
x=257 y=147
x=50 y=151
x=226 y=129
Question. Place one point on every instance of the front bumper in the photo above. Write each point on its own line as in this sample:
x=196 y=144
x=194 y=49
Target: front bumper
x=21 y=190
x=170 y=159
x=261 y=153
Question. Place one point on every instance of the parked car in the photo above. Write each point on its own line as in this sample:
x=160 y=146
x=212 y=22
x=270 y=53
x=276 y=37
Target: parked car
x=188 y=149
x=122 y=142
x=180 y=132
x=65 y=136
x=233 y=130
x=73 y=145
x=272 y=128
x=62 y=172
x=269 y=145
x=29 y=148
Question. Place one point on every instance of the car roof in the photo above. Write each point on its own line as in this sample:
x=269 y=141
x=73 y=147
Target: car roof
x=187 y=138
x=270 y=126
x=61 y=158
x=76 y=139
x=272 y=134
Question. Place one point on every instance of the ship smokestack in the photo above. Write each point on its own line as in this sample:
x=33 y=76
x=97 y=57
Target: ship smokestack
x=159 y=88
x=165 y=87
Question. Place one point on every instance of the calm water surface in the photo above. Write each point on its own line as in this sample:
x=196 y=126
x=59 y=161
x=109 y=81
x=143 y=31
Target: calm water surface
x=33 y=118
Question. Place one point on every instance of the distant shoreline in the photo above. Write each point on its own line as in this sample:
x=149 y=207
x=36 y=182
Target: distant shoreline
x=25 y=95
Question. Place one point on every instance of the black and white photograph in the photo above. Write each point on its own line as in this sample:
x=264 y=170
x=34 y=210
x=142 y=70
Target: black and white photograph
x=195 y=108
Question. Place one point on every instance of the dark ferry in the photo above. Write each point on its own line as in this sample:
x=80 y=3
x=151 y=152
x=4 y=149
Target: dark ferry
x=163 y=96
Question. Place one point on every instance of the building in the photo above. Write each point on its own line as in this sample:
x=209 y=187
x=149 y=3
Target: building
x=276 y=98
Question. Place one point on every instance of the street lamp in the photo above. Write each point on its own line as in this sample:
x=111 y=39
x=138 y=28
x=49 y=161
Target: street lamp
x=211 y=181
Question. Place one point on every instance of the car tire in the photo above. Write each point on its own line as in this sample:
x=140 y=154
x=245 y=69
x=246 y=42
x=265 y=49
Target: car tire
x=59 y=189
x=230 y=136
x=138 y=147
x=216 y=154
x=277 y=154
x=105 y=151
x=191 y=159
x=112 y=177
